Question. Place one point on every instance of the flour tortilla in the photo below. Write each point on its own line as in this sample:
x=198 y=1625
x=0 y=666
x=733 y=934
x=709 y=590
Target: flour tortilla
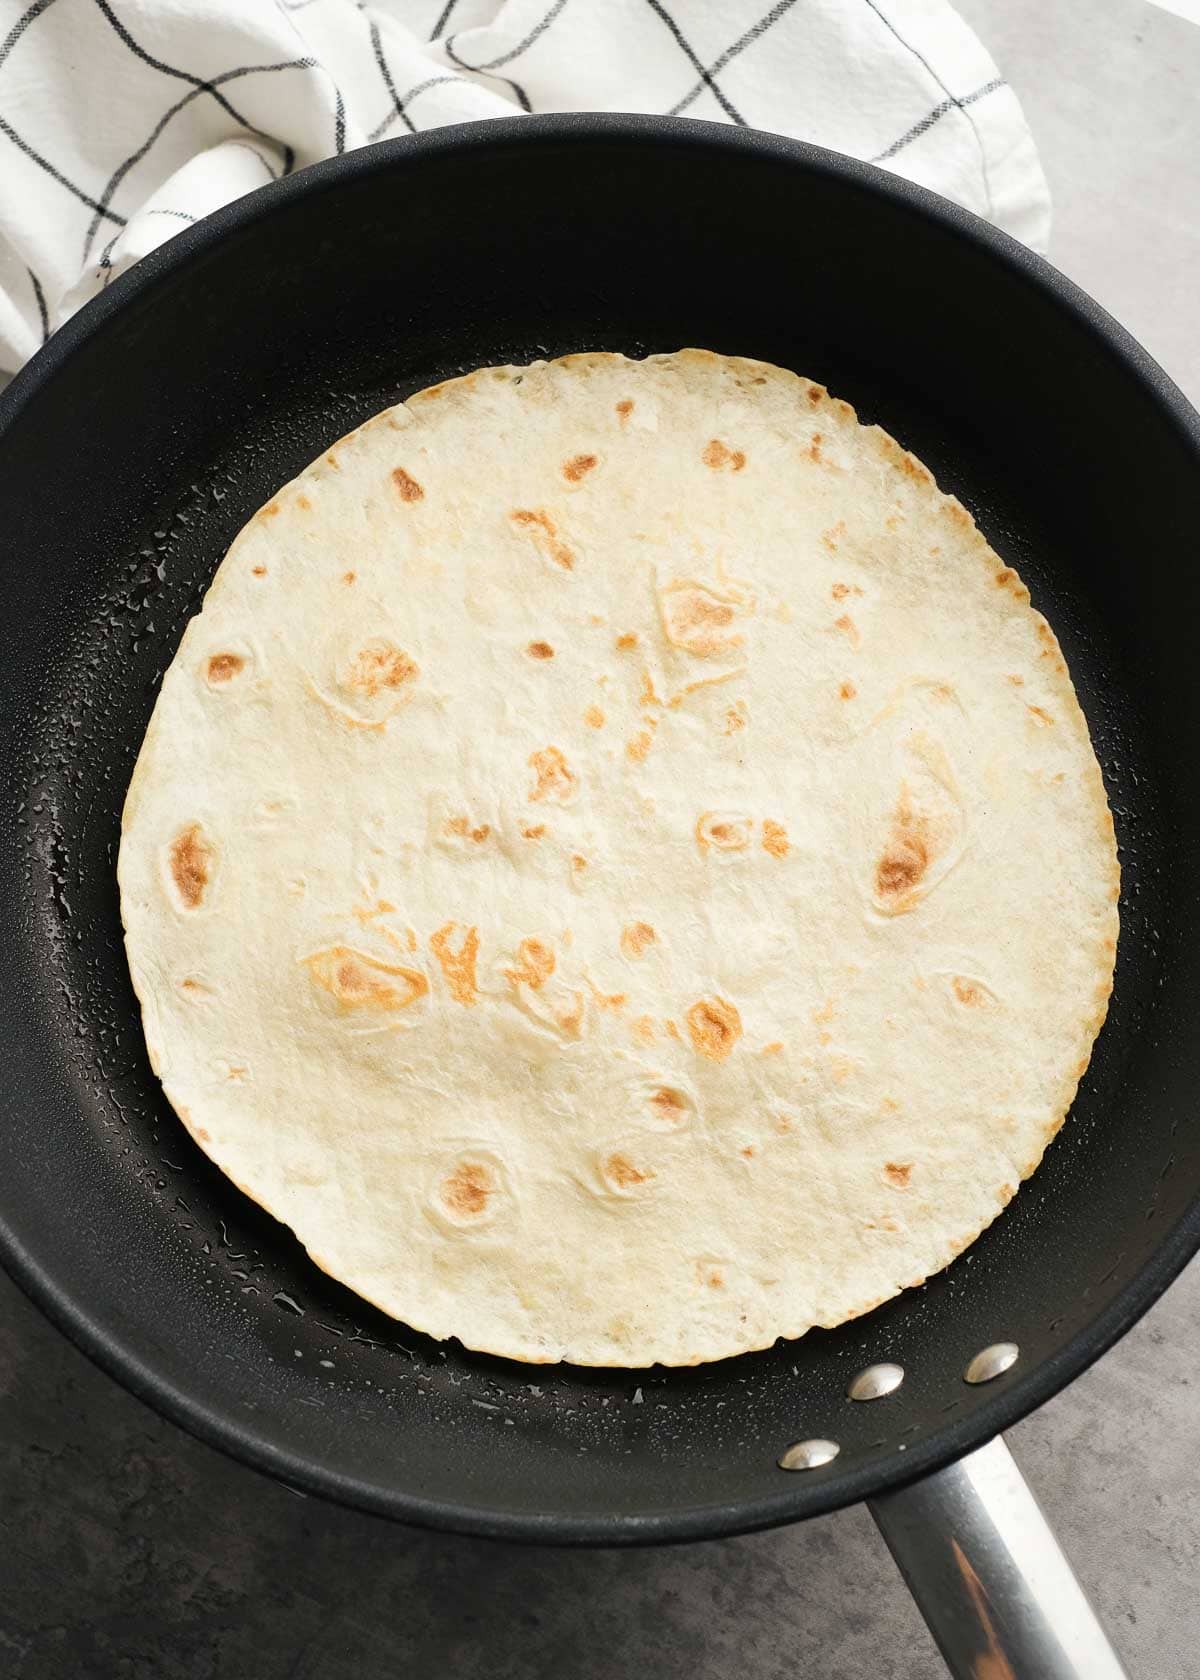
x=618 y=866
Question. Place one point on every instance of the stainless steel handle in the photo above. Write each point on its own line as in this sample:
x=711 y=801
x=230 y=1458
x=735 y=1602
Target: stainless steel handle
x=989 y=1577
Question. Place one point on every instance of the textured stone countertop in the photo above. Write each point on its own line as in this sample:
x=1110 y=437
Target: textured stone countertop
x=130 y=1552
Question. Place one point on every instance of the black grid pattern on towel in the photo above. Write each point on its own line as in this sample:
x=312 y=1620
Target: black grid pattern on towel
x=706 y=75
x=702 y=76
x=40 y=295
x=102 y=207
x=950 y=102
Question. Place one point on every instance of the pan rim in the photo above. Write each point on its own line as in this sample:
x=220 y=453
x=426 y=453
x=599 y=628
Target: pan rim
x=103 y=1342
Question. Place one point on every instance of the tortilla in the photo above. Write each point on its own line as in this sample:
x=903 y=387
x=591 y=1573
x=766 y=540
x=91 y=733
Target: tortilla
x=618 y=865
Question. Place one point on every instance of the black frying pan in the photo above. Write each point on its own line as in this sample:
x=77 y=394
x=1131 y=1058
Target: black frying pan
x=132 y=450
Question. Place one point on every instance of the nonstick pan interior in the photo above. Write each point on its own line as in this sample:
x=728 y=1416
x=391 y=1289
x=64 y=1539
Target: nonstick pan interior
x=131 y=454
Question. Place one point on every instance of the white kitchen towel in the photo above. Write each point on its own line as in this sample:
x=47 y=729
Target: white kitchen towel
x=122 y=120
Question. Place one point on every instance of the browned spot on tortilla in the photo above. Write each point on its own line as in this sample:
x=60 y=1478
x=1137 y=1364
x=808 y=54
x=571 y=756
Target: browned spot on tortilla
x=457 y=966
x=649 y=694
x=578 y=467
x=815 y=393
x=710 y=1276
x=774 y=839
x=669 y=1104
x=270 y=511
x=831 y=539
x=672 y=1029
x=726 y=833
x=914 y=469
x=555 y=780
x=635 y=937
x=783 y=1124
x=714 y=1026
x=814 y=448
x=369 y=912
x=540 y=650
x=847 y=691
x=535 y=964
x=643 y=1029
x=349 y=577
x=533 y=831
x=237 y=1074
x=578 y=863
x=594 y=717
x=545 y=533
x=406 y=484
x=303 y=503
x=698 y=611
x=967 y=992
x=1050 y=648
x=259 y=571
x=620 y=1171
x=334 y=462
x=358 y=981
x=775 y=1048
x=840 y=591
x=716 y=455
x=190 y=857
x=609 y=1000
x=461 y=828
x=625 y=408
x=468 y=1189
x=570 y=1016
x=697 y=620
x=194 y=988
x=625 y=641
x=749 y=1151
x=849 y=629
x=735 y=719
x=1042 y=717
x=906 y=854
x=223 y=667
x=640 y=745
x=1017 y=681
x=380 y=665
x=898 y=1173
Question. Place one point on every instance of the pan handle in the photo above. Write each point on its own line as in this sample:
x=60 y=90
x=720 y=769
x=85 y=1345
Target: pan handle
x=989 y=1577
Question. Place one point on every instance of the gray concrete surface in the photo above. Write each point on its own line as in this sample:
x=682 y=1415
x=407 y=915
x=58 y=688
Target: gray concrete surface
x=130 y=1552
